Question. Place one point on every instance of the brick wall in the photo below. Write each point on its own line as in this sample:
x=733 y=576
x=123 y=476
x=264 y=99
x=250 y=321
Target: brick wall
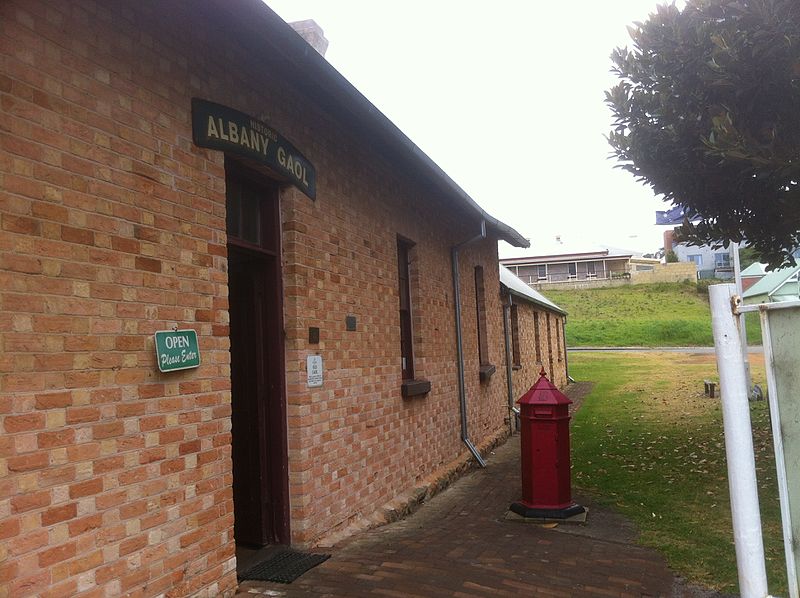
x=672 y=272
x=529 y=317
x=116 y=478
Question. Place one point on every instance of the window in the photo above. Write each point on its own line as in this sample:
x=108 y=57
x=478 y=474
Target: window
x=250 y=219
x=542 y=272
x=573 y=270
x=406 y=347
x=559 y=330
x=537 y=337
x=486 y=368
x=411 y=385
x=480 y=304
x=722 y=260
x=591 y=271
x=516 y=359
x=697 y=259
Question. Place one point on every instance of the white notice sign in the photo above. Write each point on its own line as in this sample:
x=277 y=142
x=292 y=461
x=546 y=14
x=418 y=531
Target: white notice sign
x=314 y=370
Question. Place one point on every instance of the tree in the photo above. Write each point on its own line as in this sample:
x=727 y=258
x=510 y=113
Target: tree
x=707 y=113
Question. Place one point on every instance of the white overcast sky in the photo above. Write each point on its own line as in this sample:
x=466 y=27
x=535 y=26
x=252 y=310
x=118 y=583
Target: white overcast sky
x=508 y=98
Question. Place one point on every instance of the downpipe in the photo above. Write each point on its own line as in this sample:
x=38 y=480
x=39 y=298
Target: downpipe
x=462 y=393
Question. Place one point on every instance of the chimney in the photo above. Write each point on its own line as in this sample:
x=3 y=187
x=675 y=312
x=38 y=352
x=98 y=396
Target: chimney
x=669 y=240
x=312 y=33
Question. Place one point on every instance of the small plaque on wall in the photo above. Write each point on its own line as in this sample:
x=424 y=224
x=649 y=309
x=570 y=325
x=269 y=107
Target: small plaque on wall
x=314 y=370
x=177 y=350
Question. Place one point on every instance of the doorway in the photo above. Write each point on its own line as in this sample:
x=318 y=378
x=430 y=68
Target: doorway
x=258 y=404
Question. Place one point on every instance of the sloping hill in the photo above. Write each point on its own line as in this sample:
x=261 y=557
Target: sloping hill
x=656 y=315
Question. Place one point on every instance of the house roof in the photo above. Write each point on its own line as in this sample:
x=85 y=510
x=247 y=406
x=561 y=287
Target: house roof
x=771 y=282
x=755 y=269
x=266 y=36
x=519 y=289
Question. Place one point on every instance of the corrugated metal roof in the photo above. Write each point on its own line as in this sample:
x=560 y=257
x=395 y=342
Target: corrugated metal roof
x=517 y=287
x=771 y=282
x=755 y=269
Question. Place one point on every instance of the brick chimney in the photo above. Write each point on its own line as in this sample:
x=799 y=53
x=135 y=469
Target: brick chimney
x=669 y=240
x=312 y=33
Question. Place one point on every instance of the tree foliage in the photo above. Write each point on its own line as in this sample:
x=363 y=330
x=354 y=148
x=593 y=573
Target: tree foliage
x=707 y=112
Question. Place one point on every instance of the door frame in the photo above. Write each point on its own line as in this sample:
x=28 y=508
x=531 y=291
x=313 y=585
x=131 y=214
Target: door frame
x=276 y=428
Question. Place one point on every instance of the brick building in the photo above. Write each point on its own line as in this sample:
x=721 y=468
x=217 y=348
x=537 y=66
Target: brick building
x=536 y=334
x=196 y=166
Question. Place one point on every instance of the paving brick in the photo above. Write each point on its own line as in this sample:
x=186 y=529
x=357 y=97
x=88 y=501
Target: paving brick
x=460 y=544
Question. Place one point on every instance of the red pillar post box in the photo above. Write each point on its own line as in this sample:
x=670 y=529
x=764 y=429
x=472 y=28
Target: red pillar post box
x=544 y=417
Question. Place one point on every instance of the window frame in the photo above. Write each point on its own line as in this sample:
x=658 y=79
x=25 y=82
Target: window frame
x=516 y=355
x=411 y=386
x=406 y=325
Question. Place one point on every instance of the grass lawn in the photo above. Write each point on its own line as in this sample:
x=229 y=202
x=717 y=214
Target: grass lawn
x=655 y=315
x=647 y=442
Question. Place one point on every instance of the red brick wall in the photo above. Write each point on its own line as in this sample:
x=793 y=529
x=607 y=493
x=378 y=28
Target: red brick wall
x=116 y=478
x=523 y=378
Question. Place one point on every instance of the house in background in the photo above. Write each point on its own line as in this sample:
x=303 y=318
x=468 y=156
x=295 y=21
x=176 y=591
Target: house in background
x=568 y=266
x=779 y=285
x=752 y=274
x=711 y=262
x=562 y=268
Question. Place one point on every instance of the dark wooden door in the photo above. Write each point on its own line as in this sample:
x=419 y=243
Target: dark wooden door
x=251 y=391
x=258 y=404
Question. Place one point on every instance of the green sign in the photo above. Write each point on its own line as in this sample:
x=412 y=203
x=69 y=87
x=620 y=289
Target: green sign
x=222 y=128
x=177 y=350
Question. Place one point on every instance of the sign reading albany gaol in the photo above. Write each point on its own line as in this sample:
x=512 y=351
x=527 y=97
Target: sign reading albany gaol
x=218 y=127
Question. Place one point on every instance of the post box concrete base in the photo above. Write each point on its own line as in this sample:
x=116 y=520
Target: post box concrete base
x=532 y=513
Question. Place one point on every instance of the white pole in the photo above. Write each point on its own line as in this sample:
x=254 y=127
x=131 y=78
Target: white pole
x=737 y=278
x=738 y=445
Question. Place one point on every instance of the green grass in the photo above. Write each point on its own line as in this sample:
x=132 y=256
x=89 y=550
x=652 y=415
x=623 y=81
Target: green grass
x=656 y=315
x=648 y=443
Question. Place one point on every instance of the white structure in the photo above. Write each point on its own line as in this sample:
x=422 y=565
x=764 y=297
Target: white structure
x=711 y=263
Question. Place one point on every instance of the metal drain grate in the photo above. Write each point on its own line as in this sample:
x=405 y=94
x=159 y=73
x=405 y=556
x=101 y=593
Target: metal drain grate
x=284 y=567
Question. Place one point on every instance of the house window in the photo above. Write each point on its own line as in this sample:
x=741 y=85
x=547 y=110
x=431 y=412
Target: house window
x=542 y=271
x=722 y=260
x=480 y=304
x=516 y=359
x=696 y=258
x=573 y=270
x=406 y=347
x=537 y=337
x=591 y=272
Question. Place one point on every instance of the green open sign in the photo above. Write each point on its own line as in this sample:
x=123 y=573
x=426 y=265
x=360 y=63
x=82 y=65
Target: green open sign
x=177 y=350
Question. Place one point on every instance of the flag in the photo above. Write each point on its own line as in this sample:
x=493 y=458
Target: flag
x=673 y=216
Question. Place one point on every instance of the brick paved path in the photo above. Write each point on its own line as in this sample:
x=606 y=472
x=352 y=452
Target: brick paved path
x=460 y=545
